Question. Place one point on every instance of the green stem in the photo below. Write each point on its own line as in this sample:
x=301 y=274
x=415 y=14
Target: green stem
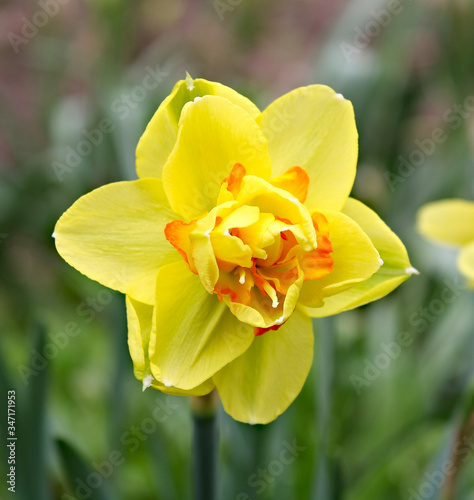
x=326 y=347
x=205 y=441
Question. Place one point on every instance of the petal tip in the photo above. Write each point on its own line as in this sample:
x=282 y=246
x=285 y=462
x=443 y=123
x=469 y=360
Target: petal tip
x=147 y=382
x=189 y=81
x=412 y=271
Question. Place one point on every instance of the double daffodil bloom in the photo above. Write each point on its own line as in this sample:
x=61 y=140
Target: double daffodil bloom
x=238 y=231
x=451 y=222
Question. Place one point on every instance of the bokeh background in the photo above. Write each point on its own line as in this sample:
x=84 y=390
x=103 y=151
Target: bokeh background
x=387 y=411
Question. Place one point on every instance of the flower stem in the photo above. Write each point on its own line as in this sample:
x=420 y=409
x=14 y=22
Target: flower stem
x=326 y=349
x=205 y=441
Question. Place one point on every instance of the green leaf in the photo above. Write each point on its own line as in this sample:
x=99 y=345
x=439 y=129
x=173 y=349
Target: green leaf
x=85 y=481
x=32 y=443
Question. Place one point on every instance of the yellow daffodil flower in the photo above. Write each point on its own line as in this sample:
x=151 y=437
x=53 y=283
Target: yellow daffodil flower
x=238 y=231
x=451 y=222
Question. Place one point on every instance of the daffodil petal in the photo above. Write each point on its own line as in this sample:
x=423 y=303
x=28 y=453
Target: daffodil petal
x=355 y=260
x=115 y=235
x=376 y=287
x=261 y=312
x=194 y=334
x=295 y=180
x=241 y=217
x=391 y=249
x=466 y=263
x=448 y=221
x=278 y=202
x=159 y=138
x=139 y=320
x=202 y=251
x=314 y=128
x=396 y=267
x=214 y=134
x=261 y=383
x=200 y=390
x=231 y=249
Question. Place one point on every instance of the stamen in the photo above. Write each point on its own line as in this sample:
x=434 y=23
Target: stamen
x=242 y=275
x=272 y=294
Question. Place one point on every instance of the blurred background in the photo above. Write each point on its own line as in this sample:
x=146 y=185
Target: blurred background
x=387 y=411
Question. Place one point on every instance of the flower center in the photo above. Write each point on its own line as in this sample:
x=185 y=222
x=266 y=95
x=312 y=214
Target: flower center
x=257 y=246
